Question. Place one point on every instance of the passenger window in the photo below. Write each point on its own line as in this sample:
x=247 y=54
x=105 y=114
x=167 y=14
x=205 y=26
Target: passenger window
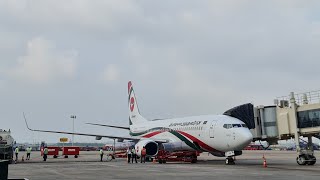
x=225 y=126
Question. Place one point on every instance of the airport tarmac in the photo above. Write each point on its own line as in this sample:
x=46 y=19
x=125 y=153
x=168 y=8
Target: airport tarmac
x=281 y=165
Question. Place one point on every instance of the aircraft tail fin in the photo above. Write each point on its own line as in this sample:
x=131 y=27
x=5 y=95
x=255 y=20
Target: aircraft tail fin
x=134 y=114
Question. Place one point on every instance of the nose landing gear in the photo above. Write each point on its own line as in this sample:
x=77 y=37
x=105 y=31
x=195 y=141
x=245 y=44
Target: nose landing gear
x=230 y=161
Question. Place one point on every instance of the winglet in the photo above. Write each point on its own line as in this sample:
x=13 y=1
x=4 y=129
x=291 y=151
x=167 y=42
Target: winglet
x=25 y=120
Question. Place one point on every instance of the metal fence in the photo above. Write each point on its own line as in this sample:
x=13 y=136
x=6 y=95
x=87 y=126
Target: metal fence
x=310 y=97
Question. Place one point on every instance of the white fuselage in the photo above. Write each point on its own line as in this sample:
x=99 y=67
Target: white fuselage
x=210 y=133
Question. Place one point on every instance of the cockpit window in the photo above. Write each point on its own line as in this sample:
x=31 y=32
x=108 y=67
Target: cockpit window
x=236 y=125
x=227 y=126
x=244 y=125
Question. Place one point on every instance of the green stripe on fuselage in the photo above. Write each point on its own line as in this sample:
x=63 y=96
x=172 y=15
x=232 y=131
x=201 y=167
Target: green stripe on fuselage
x=182 y=138
x=175 y=133
x=147 y=131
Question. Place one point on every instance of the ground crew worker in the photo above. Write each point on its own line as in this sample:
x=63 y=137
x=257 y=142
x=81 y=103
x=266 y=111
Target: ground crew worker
x=134 y=155
x=16 y=151
x=129 y=154
x=28 y=153
x=143 y=154
x=45 y=153
x=101 y=154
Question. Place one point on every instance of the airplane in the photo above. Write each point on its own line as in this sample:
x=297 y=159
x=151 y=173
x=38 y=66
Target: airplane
x=220 y=135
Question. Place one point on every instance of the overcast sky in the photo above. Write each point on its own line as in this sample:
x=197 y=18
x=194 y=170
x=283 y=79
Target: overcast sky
x=60 y=58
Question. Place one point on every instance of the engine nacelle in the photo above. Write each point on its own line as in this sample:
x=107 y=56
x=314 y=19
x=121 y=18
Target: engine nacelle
x=176 y=146
x=150 y=145
x=98 y=137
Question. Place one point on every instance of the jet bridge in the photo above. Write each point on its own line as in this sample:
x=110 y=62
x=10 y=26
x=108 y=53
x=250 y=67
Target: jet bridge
x=293 y=116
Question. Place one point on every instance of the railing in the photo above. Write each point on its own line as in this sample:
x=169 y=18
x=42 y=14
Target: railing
x=310 y=97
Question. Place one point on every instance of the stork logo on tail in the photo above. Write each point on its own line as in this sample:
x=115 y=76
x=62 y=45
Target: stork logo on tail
x=132 y=104
x=131 y=99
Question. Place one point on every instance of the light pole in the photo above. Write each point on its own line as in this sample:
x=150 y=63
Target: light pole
x=73 y=117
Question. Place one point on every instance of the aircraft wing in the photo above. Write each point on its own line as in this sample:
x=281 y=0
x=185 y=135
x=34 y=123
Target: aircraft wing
x=94 y=135
x=112 y=126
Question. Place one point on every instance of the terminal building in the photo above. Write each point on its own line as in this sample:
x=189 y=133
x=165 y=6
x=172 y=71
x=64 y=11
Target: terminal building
x=295 y=117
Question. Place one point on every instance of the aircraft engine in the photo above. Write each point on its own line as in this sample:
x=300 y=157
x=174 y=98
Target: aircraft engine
x=98 y=137
x=150 y=145
x=176 y=146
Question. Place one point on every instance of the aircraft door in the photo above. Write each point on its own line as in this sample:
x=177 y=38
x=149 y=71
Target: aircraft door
x=211 y=129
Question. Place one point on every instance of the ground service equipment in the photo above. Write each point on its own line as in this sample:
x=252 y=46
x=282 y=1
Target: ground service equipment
x=6 y=145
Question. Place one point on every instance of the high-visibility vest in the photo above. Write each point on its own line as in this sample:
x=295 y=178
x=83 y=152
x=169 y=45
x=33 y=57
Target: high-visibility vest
x=29 y=150
x=16 y=150
x=133 y=151
x=45 y=151
x=101 y=151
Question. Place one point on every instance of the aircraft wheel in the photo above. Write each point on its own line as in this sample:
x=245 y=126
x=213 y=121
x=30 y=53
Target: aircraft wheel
x=160 y=161
x=301 y=160
x=229 y=161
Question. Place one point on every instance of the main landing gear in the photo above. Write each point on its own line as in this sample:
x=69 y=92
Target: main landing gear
x=230 y=161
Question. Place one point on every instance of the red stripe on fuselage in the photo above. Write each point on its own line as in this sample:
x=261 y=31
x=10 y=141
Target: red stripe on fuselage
x=194 y=139
x=201 y=144
x=152 y=134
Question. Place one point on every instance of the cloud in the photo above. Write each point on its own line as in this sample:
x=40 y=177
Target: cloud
x=191 y=57
x=43 y=62
x=82 y=14
x=111 y=73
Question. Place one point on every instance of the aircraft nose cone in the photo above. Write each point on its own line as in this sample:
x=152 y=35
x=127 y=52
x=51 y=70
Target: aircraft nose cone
x=247 y=138
x=244 y=140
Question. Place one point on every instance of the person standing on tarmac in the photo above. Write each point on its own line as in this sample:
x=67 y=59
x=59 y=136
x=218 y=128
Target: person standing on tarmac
x=101 y=154
x=45 y=153
x=143 y=154
x=28 y=153
x=134 y=155
x=129 y=154
x=16 y=151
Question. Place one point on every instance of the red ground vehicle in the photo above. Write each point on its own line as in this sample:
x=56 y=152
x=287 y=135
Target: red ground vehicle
x=52 y=151
x=66 y=151
x=253 y=147
x=184 y=156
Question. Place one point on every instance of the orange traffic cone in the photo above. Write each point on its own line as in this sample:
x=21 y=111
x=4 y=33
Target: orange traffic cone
x=264 y=162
